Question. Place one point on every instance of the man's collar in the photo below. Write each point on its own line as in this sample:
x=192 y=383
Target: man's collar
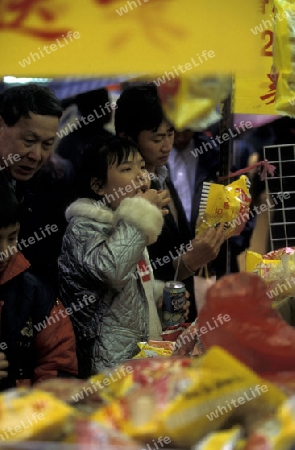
x=162 y=174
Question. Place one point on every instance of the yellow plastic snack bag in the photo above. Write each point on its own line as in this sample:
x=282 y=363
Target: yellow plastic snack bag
x=221 y=440
x=256 y=264
x=278 y=273
x=32 y=415
x=192 y=402
x=277 y=433
x=228 y=205
x=284 y=56
x=191 y=102
x=149 y=351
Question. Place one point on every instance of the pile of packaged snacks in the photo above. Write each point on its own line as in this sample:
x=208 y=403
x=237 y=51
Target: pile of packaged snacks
x=181 y=398
x=152 y=403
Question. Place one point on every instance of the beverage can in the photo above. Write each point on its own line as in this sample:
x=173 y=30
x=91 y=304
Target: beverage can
x=173 y=302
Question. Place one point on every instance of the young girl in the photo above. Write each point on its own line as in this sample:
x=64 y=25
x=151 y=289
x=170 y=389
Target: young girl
x=104 y=256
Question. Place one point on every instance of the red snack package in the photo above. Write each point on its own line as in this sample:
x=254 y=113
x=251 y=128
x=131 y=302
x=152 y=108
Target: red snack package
x=255 y=333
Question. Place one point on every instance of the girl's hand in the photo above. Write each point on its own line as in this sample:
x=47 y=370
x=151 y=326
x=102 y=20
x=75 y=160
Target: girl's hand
x=157 y=198
x=3 y=365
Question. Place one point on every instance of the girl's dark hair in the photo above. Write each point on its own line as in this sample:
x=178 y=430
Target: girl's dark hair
x=98 y=154
x=10 y=208
x=138 y=108
x=19 y=101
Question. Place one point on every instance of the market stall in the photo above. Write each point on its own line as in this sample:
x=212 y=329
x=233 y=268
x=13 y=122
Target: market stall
x=224 y=381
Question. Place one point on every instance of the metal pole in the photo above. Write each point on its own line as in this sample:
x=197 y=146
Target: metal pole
x=226 y=151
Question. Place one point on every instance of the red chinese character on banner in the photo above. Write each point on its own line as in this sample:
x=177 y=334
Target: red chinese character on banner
x=146 y=17
x=272 y=91
x=23 y=10
x=262 y=5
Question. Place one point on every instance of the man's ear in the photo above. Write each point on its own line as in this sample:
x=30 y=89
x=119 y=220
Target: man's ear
x=96 y=186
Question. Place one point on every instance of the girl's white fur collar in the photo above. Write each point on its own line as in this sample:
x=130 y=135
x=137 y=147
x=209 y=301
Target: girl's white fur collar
x=91 y=209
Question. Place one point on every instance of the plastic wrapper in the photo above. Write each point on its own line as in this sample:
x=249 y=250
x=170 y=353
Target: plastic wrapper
x=191 y=102
x=221 y=440
x=277 y=269
x=32 y=415
x=228 y=205
x=154 y=348
x=189 y=343
x=255 y=333
x=277 y=433
x=285 y=381
x=187 y=403
x=136 y=373
x=92 y=435
x=284 y=56
x=72 y=391
x=173 y=332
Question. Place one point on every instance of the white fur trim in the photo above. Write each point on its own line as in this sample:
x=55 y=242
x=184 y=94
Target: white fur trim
x=142 y=214
x=91 y=209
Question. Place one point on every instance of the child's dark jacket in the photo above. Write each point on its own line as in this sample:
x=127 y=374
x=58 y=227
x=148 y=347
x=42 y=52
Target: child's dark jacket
x=25 y=305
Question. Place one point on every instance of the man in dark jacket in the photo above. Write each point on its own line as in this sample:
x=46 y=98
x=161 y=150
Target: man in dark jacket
x=29 y=117
x=140 y=117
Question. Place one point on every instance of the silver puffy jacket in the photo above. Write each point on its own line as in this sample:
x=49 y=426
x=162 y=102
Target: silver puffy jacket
x=99 y=280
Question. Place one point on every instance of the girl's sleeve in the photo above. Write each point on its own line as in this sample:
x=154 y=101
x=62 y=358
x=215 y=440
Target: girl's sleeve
x=113 y=259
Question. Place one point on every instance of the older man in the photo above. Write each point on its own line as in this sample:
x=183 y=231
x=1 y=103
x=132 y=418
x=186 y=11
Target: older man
x=29 y=117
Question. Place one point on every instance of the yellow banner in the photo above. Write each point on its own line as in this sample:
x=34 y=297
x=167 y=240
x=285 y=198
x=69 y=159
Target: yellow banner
x=106 y=37
x=98 y=38
x=256 y=94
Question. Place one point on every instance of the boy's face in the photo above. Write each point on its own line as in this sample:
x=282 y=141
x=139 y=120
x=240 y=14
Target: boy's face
x=155 y=146
x=25 y=146
x=8 y=239
x=124 y=180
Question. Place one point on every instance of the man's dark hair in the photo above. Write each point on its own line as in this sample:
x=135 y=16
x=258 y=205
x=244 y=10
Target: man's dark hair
x=138 y=108
x=19 y=101
x=10 y=208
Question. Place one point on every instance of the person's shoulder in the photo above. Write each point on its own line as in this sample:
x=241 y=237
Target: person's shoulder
x=38 y=292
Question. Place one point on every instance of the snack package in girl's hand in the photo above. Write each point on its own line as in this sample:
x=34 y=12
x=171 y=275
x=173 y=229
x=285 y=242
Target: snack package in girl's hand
x=227 y=205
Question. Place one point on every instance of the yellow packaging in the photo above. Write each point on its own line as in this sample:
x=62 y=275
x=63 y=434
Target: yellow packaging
x=191 y=102
x=228 y=205
x=113 y=384
x=32 y=415
x=194 y=402
x=278 y=274
x=277 y=433
x=284 y=56
x=256 y=264
x=148 y=351
x=221 y=440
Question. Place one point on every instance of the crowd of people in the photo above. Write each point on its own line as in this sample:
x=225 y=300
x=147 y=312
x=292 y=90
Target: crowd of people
x=91 y=230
